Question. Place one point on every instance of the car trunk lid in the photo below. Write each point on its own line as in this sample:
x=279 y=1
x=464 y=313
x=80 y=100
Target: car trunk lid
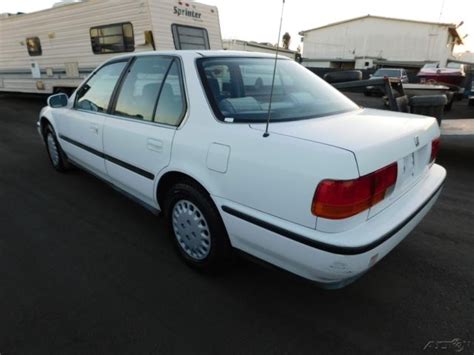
x=376 y=138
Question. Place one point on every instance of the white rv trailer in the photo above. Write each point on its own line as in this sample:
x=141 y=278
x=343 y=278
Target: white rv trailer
x=53 y=50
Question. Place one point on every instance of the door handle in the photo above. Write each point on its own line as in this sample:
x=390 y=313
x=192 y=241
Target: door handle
x=94 y=128
x=155 y=145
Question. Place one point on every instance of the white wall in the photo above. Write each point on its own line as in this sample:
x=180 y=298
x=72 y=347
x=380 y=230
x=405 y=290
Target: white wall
x=238 y=45
x=466 y=57
x=317 y=64
x=381 y=38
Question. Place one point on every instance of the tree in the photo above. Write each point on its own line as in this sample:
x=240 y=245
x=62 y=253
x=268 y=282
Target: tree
x=286 y=40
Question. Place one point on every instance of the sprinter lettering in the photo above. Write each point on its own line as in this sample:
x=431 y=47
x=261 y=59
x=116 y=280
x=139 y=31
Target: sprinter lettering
x=186 y=12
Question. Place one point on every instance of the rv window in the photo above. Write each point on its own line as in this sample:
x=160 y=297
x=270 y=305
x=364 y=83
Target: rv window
x=187 y=37
x=33 y=45
x=114 y=38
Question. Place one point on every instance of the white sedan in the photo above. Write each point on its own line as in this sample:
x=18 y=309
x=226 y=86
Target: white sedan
x=326 y=194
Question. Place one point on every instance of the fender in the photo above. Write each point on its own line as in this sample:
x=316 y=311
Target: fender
x=45 y=115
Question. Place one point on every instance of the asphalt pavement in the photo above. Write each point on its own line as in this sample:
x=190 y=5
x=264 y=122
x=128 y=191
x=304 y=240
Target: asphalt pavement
x=85 y=270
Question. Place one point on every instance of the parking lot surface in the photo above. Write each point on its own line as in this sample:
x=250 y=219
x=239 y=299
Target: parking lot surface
x=85 y=270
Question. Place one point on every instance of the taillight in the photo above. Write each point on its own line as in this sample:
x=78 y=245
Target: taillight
x=338 y=199
x=435 y=146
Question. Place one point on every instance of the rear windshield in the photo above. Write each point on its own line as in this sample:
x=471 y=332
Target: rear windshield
x=395 y=73
x=239 y=90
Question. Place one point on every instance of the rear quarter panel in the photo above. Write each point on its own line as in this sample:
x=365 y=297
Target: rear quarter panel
x=277 y=175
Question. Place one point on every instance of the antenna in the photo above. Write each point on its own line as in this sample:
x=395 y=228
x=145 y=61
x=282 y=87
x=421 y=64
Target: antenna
x=266 y=134
x=441 y=11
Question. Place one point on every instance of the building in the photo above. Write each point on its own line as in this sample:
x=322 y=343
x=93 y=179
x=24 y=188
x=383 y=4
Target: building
x=367 y=41
x=238 y=45
x=467 y=57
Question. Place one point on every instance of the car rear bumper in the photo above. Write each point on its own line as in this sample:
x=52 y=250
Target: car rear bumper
x=311 y=254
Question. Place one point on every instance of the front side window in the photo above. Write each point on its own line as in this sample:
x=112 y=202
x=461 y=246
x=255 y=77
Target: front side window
x=33 y=44
x=96 y=93
x=240 y=88
x=114 y=38
x=187 y=37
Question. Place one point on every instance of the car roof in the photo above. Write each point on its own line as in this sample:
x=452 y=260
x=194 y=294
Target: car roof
x=201 y=53
x=226 y=53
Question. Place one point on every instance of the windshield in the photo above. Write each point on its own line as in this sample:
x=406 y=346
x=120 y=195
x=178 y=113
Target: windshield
x=239 y=90
x=454 y=65
x=394 y=73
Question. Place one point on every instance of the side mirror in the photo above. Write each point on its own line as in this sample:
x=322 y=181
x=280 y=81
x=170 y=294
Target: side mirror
x=57 y=101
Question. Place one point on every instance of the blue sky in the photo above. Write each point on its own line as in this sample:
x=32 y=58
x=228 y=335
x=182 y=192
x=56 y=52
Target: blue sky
x=258 y=19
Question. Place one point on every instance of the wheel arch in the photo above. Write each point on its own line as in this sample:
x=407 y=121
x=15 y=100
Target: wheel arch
x=44 y=123
x=171 y=178
x=45 y=118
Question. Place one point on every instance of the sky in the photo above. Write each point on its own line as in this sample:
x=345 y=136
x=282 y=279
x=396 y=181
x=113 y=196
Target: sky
x=258 y=20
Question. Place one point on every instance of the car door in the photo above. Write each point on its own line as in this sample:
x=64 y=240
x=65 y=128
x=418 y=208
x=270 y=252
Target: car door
x=139 y=134
x=82 y=126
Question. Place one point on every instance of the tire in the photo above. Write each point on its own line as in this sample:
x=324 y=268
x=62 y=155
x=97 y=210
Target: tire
x=450 y=98
x=343 y=76
x=448 y=106
x=471 y=102
x=196 y=227
x=55 y=153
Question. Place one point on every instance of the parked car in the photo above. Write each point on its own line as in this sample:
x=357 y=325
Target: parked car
x=326 y=194
x=453 y=74
x=392 y=73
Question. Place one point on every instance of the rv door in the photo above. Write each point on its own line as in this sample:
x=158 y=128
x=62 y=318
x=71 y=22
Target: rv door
x=35 y=70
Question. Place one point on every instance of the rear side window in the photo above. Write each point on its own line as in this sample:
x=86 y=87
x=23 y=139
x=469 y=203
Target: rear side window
x=171 y=104
x=114 y=38
x=96 y=93
x=140 y=90
x=153 y=91
x=33 y=44
x=187 y=37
